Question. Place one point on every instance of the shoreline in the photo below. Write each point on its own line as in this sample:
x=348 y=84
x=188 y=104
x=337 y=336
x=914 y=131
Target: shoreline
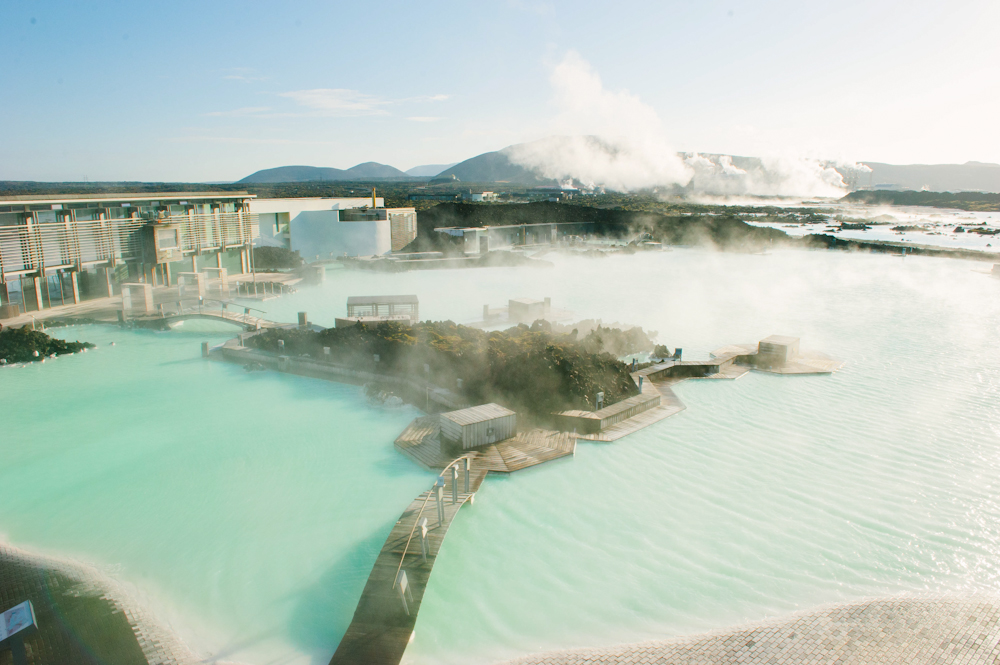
x=900 y=628
x=68 y=595
x=894 y=629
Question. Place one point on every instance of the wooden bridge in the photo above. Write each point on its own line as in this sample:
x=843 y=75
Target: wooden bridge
x=217 y=310
x=387 y=611
x=384 y=619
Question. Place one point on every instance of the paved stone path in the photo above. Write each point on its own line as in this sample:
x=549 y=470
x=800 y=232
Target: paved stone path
x=879 y=631
x=84 y=618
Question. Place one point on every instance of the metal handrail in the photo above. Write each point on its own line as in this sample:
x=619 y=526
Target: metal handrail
x=243 y=317
x=416 y=521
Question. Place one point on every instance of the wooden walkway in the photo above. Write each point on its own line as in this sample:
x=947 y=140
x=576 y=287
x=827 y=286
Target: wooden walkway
x=382 y=625
x=807 y=362
x=670 y=404
x=420 y=442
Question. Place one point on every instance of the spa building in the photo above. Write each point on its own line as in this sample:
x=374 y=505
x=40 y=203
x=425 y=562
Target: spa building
x=57 y=250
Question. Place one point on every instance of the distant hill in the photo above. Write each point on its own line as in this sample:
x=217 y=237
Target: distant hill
x=968 y=177
x=716 y=175
x=365 y=171
x=494 y=167
x=973 y=201
x=428 y=170
x=374 y=170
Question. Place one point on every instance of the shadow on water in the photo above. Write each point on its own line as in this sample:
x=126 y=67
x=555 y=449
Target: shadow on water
x=323 y=612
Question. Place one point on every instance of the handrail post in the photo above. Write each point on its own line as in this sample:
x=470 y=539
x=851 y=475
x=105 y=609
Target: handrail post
x=439 y=490
x=454 y=483
x=468 y=464
x=423 y=536
x=404 y=589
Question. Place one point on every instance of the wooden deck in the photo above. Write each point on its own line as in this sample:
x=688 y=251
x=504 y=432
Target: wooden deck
x=807 y=362
x=421 y=443
x=669 y=405
x=381 y=627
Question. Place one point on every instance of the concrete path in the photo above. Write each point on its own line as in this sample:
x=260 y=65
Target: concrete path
x=880 y=631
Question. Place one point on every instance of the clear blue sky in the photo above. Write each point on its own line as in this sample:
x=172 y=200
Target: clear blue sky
x=204 y=91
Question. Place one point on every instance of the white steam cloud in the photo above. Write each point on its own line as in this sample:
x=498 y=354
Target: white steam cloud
x=612 y=138
x=775 y=175
x=615 y=140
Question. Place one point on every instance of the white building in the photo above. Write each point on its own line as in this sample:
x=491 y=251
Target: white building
x=480 y=197
x=321 y=228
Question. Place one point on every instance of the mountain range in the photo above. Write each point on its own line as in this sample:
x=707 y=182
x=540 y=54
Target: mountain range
x=497 y=167
x=968 y=177
x=365 y=171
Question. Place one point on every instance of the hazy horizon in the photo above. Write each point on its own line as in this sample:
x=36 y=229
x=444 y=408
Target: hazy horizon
x=201 y=93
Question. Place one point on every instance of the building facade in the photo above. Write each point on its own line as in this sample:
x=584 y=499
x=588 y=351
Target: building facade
x=58 y=250
x=325 y=228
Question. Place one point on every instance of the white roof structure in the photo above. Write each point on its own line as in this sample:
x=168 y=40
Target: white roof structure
x=477 y=414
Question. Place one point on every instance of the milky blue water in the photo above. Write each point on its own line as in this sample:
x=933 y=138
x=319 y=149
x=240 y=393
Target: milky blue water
x=248 y=508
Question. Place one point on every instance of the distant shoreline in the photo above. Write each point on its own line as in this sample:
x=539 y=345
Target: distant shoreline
x=827 y=241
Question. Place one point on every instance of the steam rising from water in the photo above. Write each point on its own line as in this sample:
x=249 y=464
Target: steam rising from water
x=252 y=520
x=615 y=140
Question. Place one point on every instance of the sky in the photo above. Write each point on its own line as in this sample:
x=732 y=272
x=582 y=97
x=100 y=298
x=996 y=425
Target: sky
x=213 y=91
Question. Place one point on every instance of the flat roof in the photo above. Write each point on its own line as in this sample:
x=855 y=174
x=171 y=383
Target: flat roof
x=478 y=414
x=780 y=340
x=381 y=300
x=121 y=196
x=377 y=319
x=527 y=301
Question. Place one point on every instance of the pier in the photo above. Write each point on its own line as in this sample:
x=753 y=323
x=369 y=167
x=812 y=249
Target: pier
x=387 y=611
x=421 y=442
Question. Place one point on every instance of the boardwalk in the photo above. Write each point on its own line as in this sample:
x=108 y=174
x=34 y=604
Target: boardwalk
x=381 y=627
x=670 y=404
x=248 y=321
x=889 y=630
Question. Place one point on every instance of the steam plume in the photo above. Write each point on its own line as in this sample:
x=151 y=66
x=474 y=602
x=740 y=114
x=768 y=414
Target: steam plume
x=612 y=138
x=615 y=140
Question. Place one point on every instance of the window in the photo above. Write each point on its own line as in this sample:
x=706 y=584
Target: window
x=166 y=238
